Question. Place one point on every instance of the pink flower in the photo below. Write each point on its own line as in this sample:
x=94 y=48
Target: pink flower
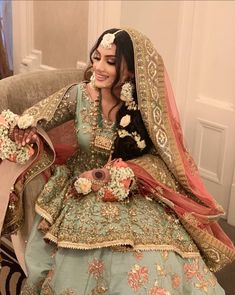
x=191 y=269
x=138 y=255
x=137 y=277
x=12 y=157
x=158 y=291
x=96 y=268
x=109 y=196
x=175 y=280
x=3 y=122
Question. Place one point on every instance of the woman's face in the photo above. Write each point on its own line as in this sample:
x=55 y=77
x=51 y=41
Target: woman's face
x=104 y=60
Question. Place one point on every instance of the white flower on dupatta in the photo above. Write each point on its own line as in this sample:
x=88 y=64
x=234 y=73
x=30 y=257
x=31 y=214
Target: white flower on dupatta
x=125 y=120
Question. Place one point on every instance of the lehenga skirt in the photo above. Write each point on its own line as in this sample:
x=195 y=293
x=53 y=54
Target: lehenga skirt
x=110 y=271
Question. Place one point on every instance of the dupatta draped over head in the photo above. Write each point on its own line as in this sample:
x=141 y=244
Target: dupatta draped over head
x=195 y=207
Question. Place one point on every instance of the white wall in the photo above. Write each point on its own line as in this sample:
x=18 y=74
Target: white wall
x=159 y=20
x=61 y=34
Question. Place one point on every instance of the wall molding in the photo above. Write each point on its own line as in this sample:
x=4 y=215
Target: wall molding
x=33 y=62
x=25 y=57
x=22 y=27
x=202 y=125
x=183 y=56
x=213 y=102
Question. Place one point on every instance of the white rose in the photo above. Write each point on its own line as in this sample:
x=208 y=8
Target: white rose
x=126 y=92
x=83 y=185
x=125 y=120
x=123 y=133
x=25 y=121
x=141 y=144
x=107 y=40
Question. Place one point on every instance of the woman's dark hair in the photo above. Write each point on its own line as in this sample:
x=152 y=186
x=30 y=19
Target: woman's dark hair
x=126 y=147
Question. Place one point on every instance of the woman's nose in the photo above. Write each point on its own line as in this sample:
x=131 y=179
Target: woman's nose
x=100 y=65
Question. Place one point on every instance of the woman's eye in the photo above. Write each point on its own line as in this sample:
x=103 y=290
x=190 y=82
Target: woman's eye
x=111 y=62
x=96 y=57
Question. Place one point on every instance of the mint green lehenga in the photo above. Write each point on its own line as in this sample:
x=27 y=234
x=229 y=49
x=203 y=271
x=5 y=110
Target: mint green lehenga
x=83 y=251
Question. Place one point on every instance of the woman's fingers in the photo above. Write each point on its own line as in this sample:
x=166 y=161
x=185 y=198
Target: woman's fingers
x=23 y=136
x=30 y=136
x=18 y=135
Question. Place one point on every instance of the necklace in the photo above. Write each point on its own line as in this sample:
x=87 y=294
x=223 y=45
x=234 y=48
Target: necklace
x=102 y=131
x=103 y=138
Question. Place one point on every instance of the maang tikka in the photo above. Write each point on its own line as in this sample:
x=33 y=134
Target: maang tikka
x=108 y=39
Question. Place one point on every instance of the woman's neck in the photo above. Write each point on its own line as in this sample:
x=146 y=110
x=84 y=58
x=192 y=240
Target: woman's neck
x=109 y=103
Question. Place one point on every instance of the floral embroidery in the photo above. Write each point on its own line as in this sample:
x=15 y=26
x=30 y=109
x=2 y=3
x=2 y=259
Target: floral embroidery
x=138 y=255
x=110 y=211
x=203 y=282
x=165 y=254
x=96 y=268
x=160 y=270
x=175 y=280
x=191 y=269
x=158 y=291
x=137 y=277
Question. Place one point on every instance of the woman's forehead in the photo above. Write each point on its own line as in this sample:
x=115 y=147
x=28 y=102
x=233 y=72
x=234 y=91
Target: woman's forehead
x=107 y=51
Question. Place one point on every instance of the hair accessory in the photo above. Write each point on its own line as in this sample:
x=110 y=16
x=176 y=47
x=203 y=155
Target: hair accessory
x=108 y=39
x=127 y=96
x=140 y=143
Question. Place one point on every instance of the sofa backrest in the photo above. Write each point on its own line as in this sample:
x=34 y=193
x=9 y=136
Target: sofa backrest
x=21 y=91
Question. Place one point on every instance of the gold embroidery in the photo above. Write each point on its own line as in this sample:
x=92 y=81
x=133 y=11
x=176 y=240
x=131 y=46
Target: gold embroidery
x=46 y=108
x=151 y=99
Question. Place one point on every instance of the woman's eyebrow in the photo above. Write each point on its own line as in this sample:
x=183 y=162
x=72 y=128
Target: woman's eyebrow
x=108 y=55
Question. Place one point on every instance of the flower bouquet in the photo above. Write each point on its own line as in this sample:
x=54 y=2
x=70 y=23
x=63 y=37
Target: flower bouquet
x=8 y=148
x=112 y=182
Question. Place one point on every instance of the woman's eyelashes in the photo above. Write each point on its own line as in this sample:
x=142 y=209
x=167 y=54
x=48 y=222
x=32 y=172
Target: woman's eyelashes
x=110 y=61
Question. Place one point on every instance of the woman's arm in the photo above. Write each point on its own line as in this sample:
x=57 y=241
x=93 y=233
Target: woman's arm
x=64 y=112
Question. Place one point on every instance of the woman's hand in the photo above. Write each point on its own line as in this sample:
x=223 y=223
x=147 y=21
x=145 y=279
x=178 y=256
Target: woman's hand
x=24 y=136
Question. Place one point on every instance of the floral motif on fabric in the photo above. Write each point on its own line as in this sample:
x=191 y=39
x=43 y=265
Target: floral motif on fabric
x=138 y=255
x=109 y=211
x=96 y=268
x=138 y=277
x=203 y=278
x=28 y=290
x=175 y=280
x=48 y=290
x=158 y=291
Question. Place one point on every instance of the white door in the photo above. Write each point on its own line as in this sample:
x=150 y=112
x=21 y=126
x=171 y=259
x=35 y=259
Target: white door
x=209 y=114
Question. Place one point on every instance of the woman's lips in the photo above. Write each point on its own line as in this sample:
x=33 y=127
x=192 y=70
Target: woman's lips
x=100 y=77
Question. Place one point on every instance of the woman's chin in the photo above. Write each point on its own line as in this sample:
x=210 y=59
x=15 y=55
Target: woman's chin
x=102 y=84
